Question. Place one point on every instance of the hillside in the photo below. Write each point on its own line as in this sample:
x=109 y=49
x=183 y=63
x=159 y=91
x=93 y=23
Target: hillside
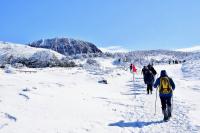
x=66 y=46
x=73 y=100
x=22 y=55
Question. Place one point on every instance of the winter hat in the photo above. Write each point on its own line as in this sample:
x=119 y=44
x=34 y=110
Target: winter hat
x=163 y=73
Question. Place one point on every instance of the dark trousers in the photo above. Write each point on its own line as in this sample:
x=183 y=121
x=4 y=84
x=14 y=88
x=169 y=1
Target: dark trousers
x=149 y=88
x=165 y=102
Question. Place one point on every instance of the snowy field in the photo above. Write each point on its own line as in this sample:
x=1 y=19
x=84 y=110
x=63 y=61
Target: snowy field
x=71 y=100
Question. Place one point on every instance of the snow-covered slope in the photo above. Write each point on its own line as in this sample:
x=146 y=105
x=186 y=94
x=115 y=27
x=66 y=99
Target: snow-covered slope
x=32 y=57
x=71 y=100
x=191 y=68
x=23 y=50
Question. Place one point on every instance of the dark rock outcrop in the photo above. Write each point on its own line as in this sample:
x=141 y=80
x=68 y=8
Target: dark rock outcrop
x=66 y=46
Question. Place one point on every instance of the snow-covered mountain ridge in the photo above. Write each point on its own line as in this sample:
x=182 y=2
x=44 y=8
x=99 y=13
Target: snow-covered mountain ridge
x=114 y=49
x=192 y=49
x=42 y=57
x=66 y=46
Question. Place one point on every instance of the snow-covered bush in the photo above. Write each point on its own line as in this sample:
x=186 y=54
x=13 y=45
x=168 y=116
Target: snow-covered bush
x=43 y=59
x=17 y=65
x=92 y=62
x=66 y=62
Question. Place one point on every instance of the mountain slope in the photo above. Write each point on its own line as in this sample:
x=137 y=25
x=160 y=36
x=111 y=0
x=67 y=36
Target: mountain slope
x=31 y=57
x=66 y=46
x=72 y=100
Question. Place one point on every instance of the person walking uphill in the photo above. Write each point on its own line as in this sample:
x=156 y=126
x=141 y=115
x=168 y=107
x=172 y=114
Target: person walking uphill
x=166 y=87
x=131 y=65
x=133 y=70
x=149 y=77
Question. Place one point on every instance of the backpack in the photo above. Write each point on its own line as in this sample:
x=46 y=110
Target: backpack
x=148 y=77
x=165 y=86
x=152 y=70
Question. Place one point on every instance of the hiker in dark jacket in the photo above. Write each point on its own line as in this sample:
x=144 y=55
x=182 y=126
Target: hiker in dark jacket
x=148 y=78
x=166 y=86
x=131 y=66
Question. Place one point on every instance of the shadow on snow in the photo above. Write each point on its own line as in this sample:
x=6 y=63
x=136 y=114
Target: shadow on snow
x=136 y=124
x=136 y=89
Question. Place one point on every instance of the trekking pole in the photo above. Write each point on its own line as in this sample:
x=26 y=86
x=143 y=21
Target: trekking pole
x=156 y=101
x=172 y=101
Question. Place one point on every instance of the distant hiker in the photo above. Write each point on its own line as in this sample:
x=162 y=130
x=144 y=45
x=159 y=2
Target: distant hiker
x=131 y=67
x=149 y=77
x=133 y=70
x=166 y=87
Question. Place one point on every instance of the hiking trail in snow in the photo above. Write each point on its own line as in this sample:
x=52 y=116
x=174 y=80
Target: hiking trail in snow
x=58 y=100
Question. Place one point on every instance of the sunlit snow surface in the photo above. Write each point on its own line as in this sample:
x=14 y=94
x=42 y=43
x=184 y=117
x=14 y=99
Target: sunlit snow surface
x=71 y=100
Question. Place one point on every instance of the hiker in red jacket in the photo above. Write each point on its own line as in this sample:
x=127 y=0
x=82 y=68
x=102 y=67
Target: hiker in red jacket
x=134 y=70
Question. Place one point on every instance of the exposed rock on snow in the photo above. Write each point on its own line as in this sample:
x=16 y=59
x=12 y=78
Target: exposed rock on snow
x=103 y=81
x=25 y=96
x=10 y=117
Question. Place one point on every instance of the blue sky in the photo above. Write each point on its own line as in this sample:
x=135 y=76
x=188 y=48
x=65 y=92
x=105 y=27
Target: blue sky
x=132 y=24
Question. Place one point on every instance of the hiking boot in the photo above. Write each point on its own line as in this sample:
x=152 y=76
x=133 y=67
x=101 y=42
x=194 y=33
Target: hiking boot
x=165 y=115
x=165 y=119
x=169 y=111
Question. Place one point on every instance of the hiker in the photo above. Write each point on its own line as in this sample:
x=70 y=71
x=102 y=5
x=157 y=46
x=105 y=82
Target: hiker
x=143 y=70
x=131 y=67
x=166 y=87
x=134 y=70
x=148 y=78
